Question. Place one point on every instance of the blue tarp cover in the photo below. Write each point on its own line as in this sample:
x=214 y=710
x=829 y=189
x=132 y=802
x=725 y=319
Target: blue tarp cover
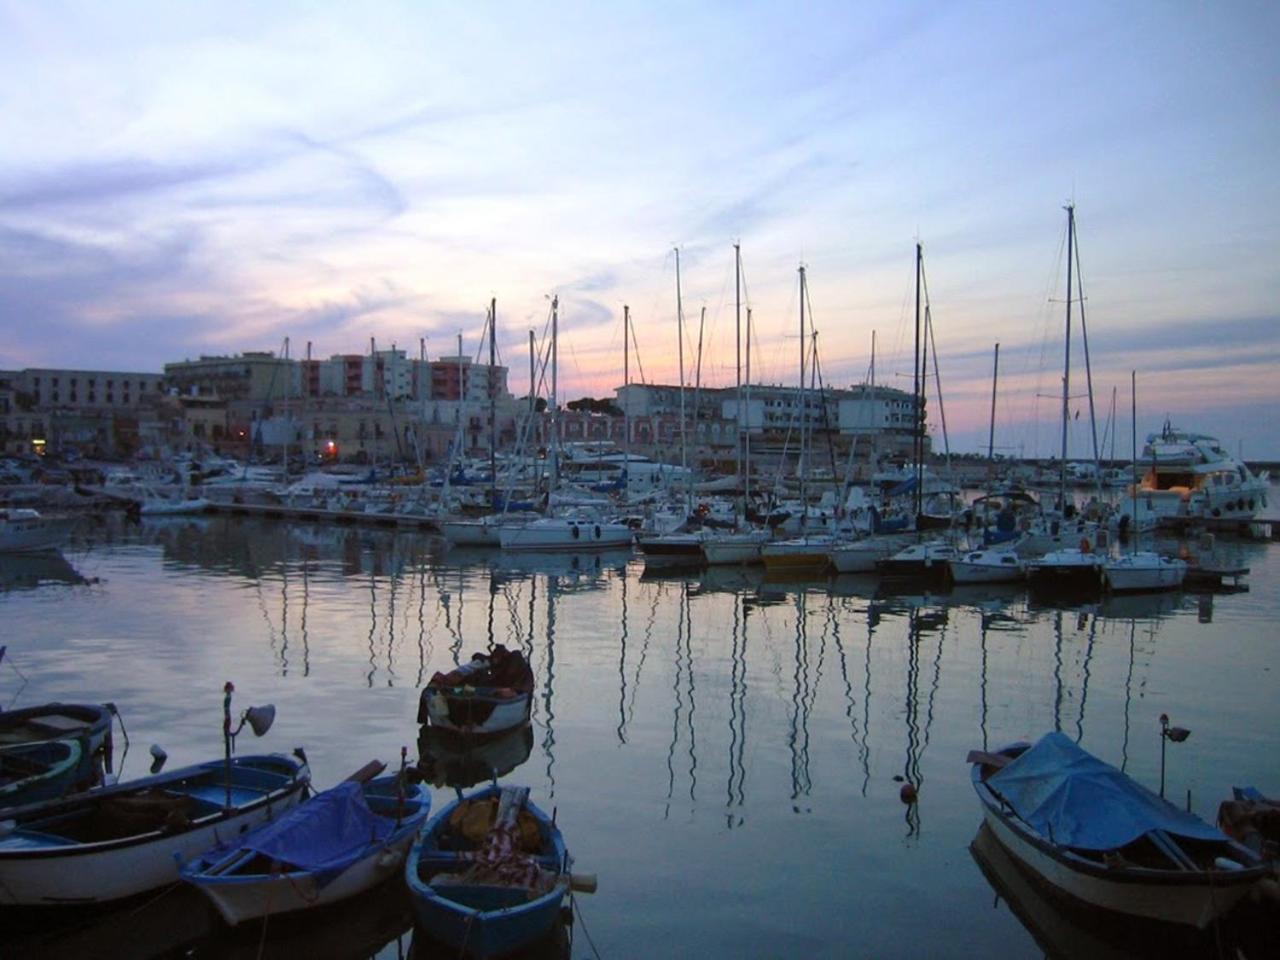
x=1074 y=799
x=324 y=835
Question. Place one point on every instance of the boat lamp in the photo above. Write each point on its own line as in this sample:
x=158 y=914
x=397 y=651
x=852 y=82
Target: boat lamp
x=259 y=720
x=1176 y=734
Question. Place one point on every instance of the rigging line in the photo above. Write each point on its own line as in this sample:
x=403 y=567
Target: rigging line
x=824 y=407
x=635 y=346
x=1088 y=369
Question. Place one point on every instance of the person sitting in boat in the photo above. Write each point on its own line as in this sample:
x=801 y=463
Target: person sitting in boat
x=500 y=667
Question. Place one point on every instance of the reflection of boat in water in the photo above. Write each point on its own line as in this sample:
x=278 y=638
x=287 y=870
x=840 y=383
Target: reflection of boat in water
x=1140 y=606
x=558 y=563
x=446 y=759
x=730 y=578
x=1062 y=933
x=180 y=924
x=23 y=571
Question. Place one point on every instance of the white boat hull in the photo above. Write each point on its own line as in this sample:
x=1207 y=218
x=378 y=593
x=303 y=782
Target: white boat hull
x=506 y=714
x=33 y=534
x=470 y=533
x=1141 y=574
x=860 y=556
x=733 y=549
x=986 y=570
x=242 y=899
x=102 y=872
x=1191 y=904
x=572 y=535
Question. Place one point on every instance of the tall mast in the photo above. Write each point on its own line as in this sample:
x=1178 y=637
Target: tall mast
x=555 y=372
x=917 y=444
x=493 y=402
x=684 y=452
x=626 y=403
x=804 y=507
x=533 y=403
x=746 y=451
x=737 y=319
x=991 y=431
x=1133 y=414
x=1066 y=366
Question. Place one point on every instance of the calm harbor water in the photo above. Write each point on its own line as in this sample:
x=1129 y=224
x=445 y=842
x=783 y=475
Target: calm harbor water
x=724 y=752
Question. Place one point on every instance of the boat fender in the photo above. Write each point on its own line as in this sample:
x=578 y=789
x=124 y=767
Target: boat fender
x=575 y=532
x=583 y=882
x=596 y=531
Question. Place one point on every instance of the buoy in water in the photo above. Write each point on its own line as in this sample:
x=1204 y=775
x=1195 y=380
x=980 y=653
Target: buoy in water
x=908 y=793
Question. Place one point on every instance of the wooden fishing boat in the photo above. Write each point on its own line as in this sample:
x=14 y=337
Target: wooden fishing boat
x=31 y=772
x=335 y=845
x=490 y=694
x=87 y=724
x=489 y=873
x=1100 y=838
x=122 y=840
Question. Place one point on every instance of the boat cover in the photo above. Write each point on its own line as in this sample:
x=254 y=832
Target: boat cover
x=324 y=835
x=1076 y=800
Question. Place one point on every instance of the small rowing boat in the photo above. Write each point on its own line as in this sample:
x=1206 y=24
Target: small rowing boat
x=489 y=873
x=335 y=845
x=1099 y=837
x=489 y=695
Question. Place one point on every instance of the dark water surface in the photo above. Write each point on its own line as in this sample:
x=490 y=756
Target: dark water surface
x=725 y=753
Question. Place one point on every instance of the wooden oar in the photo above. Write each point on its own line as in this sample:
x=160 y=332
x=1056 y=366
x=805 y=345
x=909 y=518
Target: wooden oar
x=368 y=771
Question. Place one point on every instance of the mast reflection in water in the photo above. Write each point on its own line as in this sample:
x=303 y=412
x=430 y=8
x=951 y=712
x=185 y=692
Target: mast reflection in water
x=805 y=705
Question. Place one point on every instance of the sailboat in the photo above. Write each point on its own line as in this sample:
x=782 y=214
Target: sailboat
x=743 y=545
x=566 y=533
x=1075 y=568
x=1142 y=570
x=927 y=560
x=809 y=551
x=681 y=546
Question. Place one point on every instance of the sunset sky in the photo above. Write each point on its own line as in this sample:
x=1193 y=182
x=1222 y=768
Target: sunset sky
x=186 y=179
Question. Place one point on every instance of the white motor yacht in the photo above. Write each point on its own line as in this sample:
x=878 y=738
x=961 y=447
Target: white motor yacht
x=1192 y=479
x=23 y=530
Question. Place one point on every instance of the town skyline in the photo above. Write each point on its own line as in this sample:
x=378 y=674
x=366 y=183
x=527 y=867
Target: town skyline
x=229 y=177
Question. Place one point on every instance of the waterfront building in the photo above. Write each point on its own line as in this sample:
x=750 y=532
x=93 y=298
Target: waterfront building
x=61 y=409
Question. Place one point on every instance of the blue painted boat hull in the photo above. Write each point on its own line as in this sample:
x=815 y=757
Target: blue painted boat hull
x=479 y=920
